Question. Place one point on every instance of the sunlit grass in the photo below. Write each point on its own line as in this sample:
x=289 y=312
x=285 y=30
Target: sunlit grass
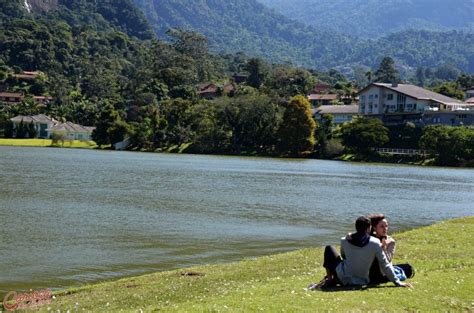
x=441 y=254
x=47 y=143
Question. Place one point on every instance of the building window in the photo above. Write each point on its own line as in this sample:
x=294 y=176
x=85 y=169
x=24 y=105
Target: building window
x=390 y=96
x=371 y=97
x=376 y=96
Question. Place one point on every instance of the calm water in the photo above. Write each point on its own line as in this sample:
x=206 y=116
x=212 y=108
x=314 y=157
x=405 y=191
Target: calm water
x=74 y=216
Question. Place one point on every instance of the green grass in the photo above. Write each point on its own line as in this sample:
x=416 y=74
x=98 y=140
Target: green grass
x=442 y=255
x=47 y=143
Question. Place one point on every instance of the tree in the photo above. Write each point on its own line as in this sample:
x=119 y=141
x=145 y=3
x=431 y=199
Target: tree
x=386 y=73
x=296 y=132
x=465 y=81
x=420 y=77
x=360 y=78
x=450 y=145
x=369 y=75
x=111 y=128
x=252 y=120
x=289 y=82
x=450 y=89
x=323 y=133
x=8 y=130
x=258 y=72
x=363 y=134
x=177 y=122
x=447 y=72
x=21 y=130
x=31 y=130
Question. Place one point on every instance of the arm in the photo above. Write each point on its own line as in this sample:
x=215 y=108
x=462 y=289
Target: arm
x=343 y=255
x=388 y=268
x=388 y=246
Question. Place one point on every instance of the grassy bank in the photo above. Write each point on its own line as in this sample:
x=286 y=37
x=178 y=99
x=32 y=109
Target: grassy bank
x=47 y=143
x=442 y=255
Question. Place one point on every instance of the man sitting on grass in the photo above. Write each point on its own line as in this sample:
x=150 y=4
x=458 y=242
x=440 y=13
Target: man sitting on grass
x=358 y=253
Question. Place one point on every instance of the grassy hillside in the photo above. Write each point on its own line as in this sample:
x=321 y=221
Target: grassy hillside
x=374 y=18
x=441 y=254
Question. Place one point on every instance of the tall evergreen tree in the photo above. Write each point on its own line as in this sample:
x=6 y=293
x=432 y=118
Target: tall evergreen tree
x=258 y=71
x=32 y=130
x=386 y=73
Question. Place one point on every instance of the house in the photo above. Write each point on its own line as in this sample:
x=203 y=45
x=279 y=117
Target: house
x=40 y=121
x=340 y=113
x=239 y=78
x=207 y=91
x=469 y=92
x=321 y=88
x=317 y=100
x=43 y=99
x=210 y=91
x=470 y=100
x=397 y=103
x=25 y=75
x=71 y=131
x=450 y=118
x=11 y=97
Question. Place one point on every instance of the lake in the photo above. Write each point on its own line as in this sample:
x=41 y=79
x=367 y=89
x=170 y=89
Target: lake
x=70 y=217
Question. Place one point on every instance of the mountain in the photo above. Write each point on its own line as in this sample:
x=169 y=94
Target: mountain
x=122 y=15
x=251 y=27
x=375 y=18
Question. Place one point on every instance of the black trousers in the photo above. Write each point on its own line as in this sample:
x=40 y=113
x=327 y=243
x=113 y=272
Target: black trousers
x=331 y=260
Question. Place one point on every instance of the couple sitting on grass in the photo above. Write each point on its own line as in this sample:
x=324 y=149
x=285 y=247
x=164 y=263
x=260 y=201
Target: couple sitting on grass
x=366 y=257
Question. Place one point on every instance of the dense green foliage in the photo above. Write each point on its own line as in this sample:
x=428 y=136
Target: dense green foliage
x=296 y=132
x=246 y=25
x=451 y=145
x=363 y=134
x=375 y=18
x=386 y=72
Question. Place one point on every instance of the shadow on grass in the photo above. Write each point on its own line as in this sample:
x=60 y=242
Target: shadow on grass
x=353 y=288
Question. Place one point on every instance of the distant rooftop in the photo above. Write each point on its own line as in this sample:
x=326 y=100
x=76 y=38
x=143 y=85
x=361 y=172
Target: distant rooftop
x=322 y=97
x=338 y=109
x=40 y=118
x=417 y=92
x=71 y=127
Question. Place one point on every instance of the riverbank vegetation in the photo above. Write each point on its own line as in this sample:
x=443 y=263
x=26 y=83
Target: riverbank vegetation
x=443 y=282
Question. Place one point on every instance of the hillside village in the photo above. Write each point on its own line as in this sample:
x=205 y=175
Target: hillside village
x=394 y=104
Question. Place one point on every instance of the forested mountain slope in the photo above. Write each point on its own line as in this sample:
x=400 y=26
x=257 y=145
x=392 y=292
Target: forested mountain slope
x=122 y=15
x=248 y=26
x=375 y=18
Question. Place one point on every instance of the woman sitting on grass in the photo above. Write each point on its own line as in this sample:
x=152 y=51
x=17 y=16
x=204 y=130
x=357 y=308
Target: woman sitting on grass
x=379 y=230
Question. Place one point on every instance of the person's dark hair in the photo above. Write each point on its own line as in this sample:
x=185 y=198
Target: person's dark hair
x=362 y=224
x=374 y=220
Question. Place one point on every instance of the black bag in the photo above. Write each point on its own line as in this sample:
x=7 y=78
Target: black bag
x=408 y=269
